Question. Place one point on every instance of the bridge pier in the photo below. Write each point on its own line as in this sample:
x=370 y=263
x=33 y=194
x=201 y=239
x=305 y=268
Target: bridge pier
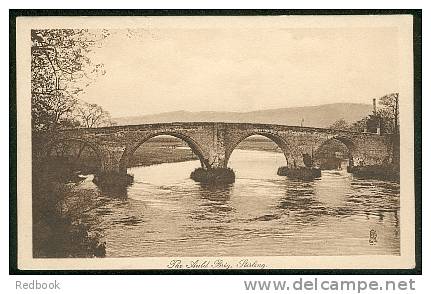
x=217 y=175
x=214 y=168
x=299 y=166
x=112 y=175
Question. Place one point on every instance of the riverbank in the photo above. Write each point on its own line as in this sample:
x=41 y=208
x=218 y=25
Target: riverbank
x=58 y=206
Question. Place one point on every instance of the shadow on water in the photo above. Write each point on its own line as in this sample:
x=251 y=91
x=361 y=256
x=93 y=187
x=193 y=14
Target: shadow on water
x=300 y=203
x=215 y=204
x=338 y=197
x=374 y=198
x=114 y=192
x=131 y=220
x=215 y=192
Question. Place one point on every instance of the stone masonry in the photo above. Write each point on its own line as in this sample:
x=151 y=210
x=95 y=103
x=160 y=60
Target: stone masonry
x=213 y=143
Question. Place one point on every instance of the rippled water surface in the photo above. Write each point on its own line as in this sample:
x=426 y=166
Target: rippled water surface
x=168 y=214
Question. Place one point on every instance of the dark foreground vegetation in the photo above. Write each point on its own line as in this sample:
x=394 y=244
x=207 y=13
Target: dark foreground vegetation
x=58 y=230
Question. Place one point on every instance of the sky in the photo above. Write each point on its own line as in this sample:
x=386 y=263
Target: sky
x=240 y=69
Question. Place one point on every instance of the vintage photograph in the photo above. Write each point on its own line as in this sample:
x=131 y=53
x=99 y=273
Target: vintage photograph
x=203 y=142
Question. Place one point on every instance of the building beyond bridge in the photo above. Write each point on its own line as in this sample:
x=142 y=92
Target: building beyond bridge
x=214 y=142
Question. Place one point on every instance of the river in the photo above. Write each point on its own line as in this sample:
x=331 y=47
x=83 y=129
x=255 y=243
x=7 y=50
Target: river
x=168 y=214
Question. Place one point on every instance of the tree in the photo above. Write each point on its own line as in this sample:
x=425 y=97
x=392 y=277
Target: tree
x=340 y=124
x=389 y=112
x=92 y=115
x=60 y=69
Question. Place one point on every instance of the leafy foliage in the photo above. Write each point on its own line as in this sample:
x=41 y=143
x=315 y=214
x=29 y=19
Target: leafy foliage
x=60 y=69
x=388 y=113
x=340 y=124
x=92 y=115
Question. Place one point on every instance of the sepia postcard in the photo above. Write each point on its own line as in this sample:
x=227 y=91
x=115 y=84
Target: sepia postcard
x=215 y=142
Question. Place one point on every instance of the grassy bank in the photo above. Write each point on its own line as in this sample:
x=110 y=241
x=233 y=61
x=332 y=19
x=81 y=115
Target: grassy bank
x=167 y=150
x=156 y=153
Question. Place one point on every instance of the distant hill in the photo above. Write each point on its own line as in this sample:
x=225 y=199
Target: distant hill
x=314 y=116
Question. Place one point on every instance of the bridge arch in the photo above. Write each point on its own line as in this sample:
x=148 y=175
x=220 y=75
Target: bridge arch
x=194 y=146
x=278 y=140
x=84 y=143
x=346 y=141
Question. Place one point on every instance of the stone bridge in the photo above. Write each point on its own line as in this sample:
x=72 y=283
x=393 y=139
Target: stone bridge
x=214 y=142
